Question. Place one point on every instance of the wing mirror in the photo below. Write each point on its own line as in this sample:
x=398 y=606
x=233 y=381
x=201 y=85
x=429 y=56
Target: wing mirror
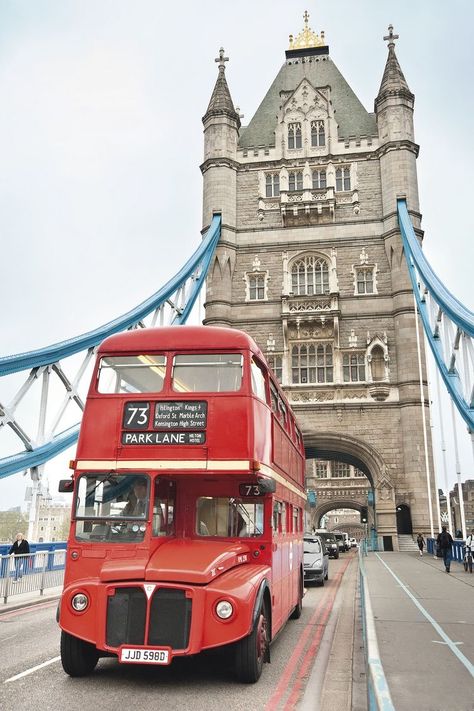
x=66 y=486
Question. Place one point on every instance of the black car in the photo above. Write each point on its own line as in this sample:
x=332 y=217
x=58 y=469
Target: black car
x=330 y=542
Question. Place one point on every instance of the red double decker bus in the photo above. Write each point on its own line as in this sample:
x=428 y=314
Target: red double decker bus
x=188 y=509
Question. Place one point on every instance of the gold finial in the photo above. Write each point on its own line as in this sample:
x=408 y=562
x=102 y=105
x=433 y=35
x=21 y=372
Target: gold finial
x=307 y=38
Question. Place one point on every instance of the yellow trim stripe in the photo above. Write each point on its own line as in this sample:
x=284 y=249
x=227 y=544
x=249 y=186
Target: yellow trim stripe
x=187 y=464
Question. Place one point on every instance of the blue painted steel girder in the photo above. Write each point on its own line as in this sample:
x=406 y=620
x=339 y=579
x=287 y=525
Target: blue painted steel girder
x=423 y=280
x=194 y=270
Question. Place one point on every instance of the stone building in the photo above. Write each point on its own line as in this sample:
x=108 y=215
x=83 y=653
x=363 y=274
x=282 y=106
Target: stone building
x=310 y=262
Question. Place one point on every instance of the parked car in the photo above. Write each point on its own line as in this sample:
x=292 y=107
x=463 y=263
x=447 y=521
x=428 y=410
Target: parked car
x=316 y=560
x=329 y=541
x=353 y=542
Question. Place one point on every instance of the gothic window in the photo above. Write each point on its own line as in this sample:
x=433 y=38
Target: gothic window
x=310 y=275
x=377 y=364
x=318 y=133
x=343 y=179
x=358 y=472
x=256 y=287
x=295 y=180
x=275 y=361
x=321 y=470
x=311 y=363
x=364 y=280
x=341 y=470
x=353 y=367
x=319 y=179
x=272 y=185
x=294 y=135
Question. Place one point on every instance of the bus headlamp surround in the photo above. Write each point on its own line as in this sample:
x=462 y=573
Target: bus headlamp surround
x=80 y=602
x=224 y=609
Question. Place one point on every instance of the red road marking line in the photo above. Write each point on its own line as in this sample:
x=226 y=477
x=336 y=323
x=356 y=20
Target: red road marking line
x=313 y=649
x=24 y=610
x=326 y=603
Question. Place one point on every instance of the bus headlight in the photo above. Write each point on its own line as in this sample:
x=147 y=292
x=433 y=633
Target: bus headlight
x=79 y=602
x=224 y=609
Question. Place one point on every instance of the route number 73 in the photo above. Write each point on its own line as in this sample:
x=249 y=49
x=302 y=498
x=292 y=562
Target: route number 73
x=249 y=490
x=136 y=415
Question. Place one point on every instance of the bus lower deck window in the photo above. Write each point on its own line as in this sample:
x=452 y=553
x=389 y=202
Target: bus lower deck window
x=228 y=517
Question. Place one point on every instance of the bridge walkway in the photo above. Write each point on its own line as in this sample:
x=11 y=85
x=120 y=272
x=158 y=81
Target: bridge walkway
x=424 y=621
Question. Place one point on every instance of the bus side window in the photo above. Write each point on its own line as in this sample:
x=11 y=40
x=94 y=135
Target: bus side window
x=277 y=509
x=274 y=399
x=283 y=413
x=258 y=380
x=295 y=519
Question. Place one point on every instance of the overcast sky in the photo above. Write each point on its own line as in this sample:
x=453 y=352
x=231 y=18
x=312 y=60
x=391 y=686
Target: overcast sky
x=101 y=140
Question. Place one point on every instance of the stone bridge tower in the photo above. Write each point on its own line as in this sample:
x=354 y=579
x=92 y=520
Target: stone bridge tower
x=310 y=263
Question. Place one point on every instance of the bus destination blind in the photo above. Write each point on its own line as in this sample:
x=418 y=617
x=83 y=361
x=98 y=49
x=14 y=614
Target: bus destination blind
x=172 y=422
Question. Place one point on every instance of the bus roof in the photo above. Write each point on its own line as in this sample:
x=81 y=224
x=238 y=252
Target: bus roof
x=179 y=338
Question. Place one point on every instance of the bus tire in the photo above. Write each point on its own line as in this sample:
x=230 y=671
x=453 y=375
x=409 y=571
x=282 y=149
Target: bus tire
x=252 y=651
x=78 y=658
x=296 y=614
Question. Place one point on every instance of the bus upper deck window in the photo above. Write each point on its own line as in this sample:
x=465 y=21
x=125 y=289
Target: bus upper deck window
x=207 y=373
x=131 y=374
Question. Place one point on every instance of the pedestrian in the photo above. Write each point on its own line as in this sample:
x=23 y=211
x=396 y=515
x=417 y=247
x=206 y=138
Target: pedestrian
x=20 y=549
x=421 y=542
x=444 y=542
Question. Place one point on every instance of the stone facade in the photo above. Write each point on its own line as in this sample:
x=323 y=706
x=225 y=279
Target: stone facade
x=310 y=263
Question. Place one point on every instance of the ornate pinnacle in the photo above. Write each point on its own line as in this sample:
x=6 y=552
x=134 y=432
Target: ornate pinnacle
x=391 y=37
x=221 y=59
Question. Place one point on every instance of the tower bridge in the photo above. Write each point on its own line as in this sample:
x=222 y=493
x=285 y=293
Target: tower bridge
x=311 y=263
x=312 y=239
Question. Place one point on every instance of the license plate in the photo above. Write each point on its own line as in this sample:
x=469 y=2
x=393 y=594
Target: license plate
x=134 y=655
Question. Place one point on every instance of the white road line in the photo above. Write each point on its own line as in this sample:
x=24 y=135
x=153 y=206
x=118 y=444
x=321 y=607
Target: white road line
x=33 y=669
x=438 y=628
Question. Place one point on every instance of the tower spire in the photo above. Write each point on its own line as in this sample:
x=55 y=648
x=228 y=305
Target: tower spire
x=221 y=101
x=393 y=80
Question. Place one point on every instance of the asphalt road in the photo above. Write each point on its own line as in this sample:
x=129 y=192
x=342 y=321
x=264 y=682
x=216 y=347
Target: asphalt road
x=32 y=678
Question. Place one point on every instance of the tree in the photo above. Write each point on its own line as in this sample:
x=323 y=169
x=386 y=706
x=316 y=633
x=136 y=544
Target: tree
x=12 y=522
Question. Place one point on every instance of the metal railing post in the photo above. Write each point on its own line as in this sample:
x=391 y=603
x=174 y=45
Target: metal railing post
x=43 y=572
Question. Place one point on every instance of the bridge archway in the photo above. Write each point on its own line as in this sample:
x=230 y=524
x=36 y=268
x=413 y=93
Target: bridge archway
x=358 y=453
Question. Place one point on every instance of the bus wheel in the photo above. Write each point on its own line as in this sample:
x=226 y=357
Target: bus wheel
x=251 y=651
x=296 y=614
x=78 y=658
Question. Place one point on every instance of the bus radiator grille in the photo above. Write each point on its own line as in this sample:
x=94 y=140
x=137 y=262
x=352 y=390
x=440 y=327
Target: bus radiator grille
x=126 y=615
x=170 y=619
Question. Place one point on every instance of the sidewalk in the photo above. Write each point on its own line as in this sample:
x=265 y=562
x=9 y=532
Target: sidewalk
x=424 y=621
x=16 y=602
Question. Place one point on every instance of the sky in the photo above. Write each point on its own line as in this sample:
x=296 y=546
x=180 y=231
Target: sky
x=101 y=142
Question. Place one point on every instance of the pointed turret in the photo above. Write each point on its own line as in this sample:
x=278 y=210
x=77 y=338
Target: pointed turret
x=221 y=100
x=398 y=151
x=221 y=134
x=393 y=80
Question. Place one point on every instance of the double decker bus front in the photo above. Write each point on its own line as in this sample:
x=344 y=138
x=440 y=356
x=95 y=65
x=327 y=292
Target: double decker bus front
x=170 y=550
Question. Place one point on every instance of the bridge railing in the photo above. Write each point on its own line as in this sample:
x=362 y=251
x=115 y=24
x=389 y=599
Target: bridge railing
x=31 y=572
x=457 y=549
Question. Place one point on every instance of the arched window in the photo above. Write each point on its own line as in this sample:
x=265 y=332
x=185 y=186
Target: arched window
x=310 y=275
x=294 y=135
x=295 y=180
x=311 y=363
x=318 y=133
x=319 y=179
x=377 y=364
